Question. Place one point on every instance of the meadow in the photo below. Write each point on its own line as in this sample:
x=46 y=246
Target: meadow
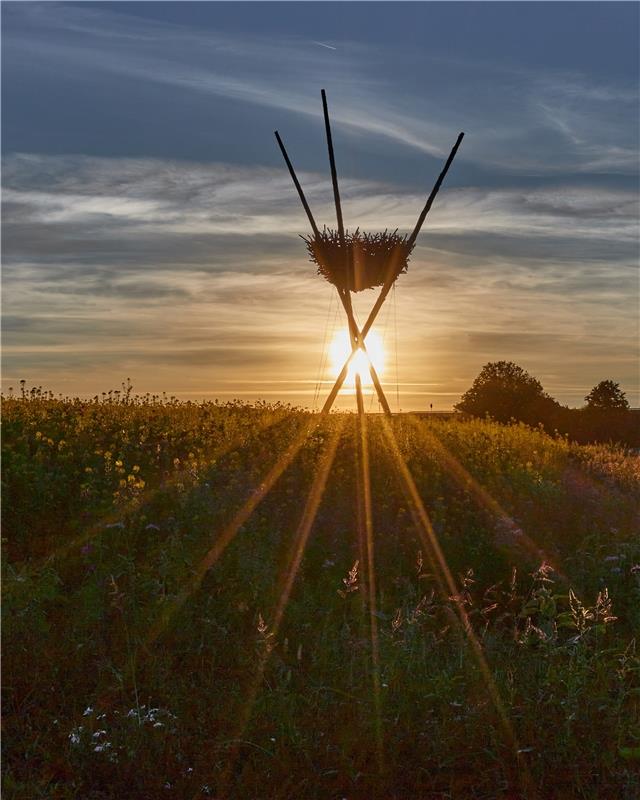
x=192 y=607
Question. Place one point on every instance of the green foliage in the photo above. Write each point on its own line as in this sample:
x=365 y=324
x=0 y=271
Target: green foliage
x=126 y=677
x=505 y=391
x=607 y=395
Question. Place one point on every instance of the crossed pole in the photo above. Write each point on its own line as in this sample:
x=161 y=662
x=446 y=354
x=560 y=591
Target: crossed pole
x=358 y=336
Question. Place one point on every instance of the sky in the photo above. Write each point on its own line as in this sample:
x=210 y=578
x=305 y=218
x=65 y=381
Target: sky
x=151 y=231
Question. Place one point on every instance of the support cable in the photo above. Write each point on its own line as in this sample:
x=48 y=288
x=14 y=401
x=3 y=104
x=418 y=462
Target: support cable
x=323 y=353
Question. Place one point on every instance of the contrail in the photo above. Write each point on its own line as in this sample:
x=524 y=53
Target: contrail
x=328 y=46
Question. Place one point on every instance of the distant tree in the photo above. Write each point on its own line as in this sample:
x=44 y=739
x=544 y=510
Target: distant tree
x=506 y=391
x=607 y=396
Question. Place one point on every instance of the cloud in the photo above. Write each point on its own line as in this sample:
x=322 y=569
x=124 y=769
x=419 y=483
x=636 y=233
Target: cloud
x=176 y=198
x=523 y=121
x=191 y=275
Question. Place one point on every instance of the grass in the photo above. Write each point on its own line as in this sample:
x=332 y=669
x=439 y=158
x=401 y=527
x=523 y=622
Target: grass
x=143 y=659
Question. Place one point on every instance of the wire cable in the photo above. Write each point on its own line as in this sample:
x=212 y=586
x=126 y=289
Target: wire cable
x=385 y=329
x=323 y=354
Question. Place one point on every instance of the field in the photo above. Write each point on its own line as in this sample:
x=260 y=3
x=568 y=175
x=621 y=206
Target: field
x=196 y=604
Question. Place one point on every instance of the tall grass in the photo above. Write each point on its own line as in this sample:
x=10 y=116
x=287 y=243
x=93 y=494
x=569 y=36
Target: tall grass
x=113 y=688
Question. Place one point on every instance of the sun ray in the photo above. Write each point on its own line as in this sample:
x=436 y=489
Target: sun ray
x=148 y=495
x=306 y=522
x=367 y=518
x=512 y=535
x=432 y=547
x=287 y=579
x=226 y=536
x=144 y=649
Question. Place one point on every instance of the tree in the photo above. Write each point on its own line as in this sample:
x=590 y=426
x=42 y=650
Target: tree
x=505 y=391
x=607 y=396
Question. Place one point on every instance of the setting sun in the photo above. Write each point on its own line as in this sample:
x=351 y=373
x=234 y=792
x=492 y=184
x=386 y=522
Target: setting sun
x=339 y=351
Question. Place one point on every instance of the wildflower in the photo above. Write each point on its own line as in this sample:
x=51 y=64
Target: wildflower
x=262 y=625
x=74 y=736
x=396 y=622
x=351 y=581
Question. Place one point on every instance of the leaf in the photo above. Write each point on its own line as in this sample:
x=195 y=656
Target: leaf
x=629 y=753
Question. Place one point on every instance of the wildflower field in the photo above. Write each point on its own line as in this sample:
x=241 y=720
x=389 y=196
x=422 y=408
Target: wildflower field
x=197 y=604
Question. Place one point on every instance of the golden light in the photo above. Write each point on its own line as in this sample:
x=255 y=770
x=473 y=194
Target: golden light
x=340 y=349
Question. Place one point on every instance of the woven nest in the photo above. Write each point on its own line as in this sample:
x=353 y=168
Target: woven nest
x=361 y=260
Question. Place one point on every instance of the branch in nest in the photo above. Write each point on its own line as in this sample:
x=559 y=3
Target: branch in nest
x=361 y=260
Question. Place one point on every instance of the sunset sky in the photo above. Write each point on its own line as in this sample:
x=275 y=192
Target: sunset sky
x=150 y=228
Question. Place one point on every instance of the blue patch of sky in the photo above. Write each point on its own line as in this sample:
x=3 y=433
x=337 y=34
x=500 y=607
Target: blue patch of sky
x=456 y=65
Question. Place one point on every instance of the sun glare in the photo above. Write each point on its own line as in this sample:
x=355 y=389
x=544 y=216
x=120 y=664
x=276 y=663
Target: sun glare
x=340 y=349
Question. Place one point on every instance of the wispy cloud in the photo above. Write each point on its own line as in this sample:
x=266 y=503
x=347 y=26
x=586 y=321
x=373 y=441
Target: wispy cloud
x=172 y=198
x=131 y=260
x=522 y=121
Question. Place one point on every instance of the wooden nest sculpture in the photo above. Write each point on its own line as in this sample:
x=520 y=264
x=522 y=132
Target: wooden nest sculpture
x=356 y=261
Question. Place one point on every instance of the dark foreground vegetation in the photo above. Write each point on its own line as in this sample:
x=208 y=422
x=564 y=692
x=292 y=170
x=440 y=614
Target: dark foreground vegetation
x=142 y=659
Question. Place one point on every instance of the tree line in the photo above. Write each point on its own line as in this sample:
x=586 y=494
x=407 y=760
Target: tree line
x=506 y=392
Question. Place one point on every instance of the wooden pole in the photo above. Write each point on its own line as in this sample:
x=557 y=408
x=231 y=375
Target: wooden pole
x=392 y=276
x=328 y=403
x=345 y=369
x=367 y=327
x=358 y=337
x=332 y=164
x=412 y=239
x=357 y=342
x=296 y=183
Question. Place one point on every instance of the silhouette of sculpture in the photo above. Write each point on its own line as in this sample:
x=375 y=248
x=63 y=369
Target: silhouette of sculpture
x=356 y=261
